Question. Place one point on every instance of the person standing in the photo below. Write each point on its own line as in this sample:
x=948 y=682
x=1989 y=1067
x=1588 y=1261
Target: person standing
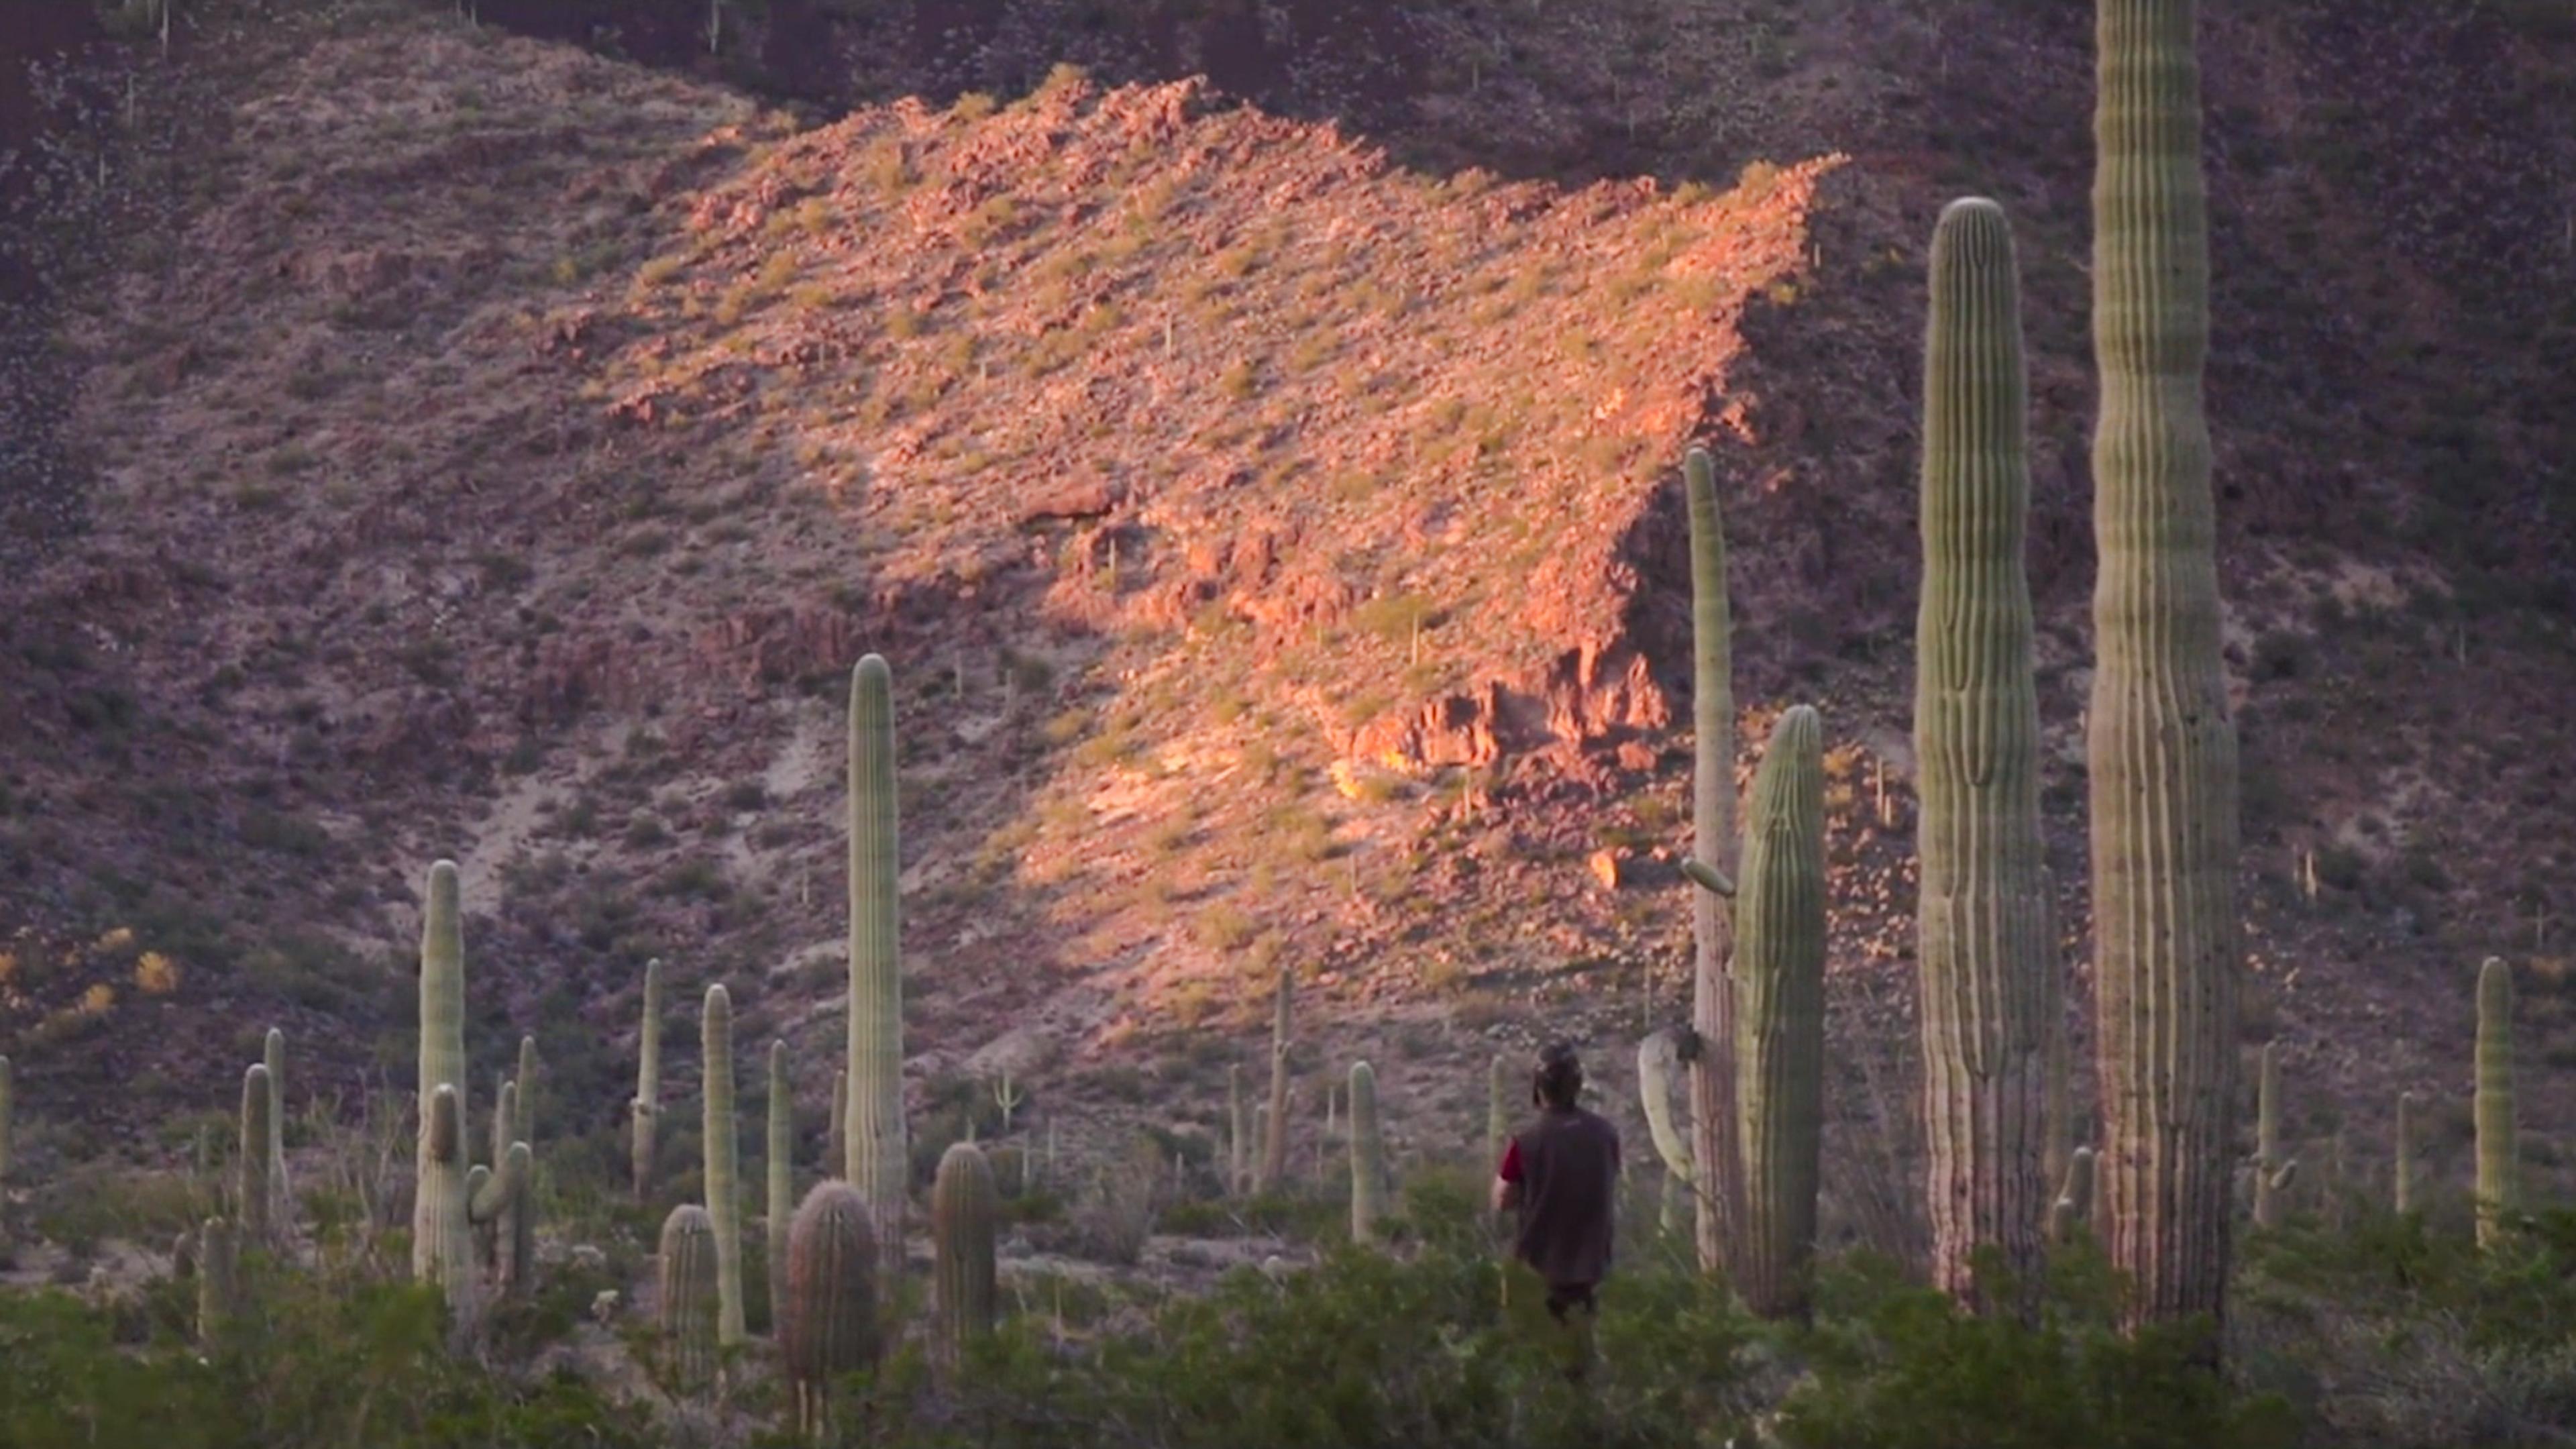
x=1560 y=1175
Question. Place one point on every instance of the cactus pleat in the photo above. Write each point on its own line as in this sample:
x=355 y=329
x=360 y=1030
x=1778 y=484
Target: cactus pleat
x=1368 y=1156
x=963 y=1205
x=281 y=1196
x=829 y=1324
x=1659 y=1072
x=879 y=1162
x=1986 y=945
x=2498 y=1191
x=2405 y=1168
x=1780 y=1019
x=255 y=1196
x=2160 y=748
x=690 y=1308
x=2268 y=1165
x=1274 y=1137
x=1715 y=1113
x=722 y=1161
x=438 y=1223
x=648 y=1084
x=781 y=1149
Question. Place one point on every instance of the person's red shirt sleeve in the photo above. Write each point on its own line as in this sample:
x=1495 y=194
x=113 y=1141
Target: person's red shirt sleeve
x=1510 y=1171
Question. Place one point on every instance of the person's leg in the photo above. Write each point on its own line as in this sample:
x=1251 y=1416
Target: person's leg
x=1573 y=1306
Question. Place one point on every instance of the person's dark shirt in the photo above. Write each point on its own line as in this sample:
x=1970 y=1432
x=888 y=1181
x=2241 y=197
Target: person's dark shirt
x=1567 y=1165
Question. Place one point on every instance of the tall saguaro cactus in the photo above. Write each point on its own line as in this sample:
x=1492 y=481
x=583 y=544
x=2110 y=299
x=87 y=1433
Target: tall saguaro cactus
x=648 y=1084
x=829 y=1325
x=879 y=1163
x=1780 y=1015
x=781 y=1151
x=1715 y=1113
x=963 y=1205
x=2498 y=1191
x=450 y=1195
x=723 y=1160
x=1274 y=1136
x=1368 y=1156
x=2160 y=746
x=1989 y=983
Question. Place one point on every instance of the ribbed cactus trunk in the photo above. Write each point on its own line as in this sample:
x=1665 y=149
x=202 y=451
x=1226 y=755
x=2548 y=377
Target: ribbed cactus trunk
x=2404 y=1182
x=1368 y=1156
x=963 y=1206
x=691 y=1305
x=1715 y=1113
x=2268 y=1163
x=879 y=1163
x=2499 y=1191
x=781 y=1151
x=1780 y=1016
x=281 y=1195
x=1986 y=947
x=2160 y=747
x=829 y=1324
x=254 y=1194
x=723 y=1161
x=646 y=1108
x=1274 y=1135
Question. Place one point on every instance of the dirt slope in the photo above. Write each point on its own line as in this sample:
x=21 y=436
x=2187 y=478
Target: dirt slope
x=1276 y=547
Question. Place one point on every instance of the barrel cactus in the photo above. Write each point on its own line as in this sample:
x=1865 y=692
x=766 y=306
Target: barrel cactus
x=691 y=1309
x=1368 y=1156
x=879 y=1162
x=1717 y=1143
x=1780 y=1015
x=963 y=1207
x=2160 y=745
x=829 y=1325
x=722 y=1160
x=782 y=1176
x=1986 y=945
x=2498 y=1191
x=648 y=1085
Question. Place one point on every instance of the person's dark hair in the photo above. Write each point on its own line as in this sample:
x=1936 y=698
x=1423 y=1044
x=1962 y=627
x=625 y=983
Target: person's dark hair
x=1559 y=1078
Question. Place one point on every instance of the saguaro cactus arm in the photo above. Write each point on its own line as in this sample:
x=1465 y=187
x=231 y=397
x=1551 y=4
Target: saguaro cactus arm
x=648 y=1082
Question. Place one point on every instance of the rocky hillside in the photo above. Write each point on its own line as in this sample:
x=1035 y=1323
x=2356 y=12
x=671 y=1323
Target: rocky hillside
x=503 y=451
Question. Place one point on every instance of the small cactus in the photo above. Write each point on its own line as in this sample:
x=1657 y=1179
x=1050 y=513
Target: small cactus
x=648 y=1084
x=282 y=1197
x=2498 y=1191
x=722 y=1157
x=1368 y=1156
x=1274 y=1142
x=255 y=1195
x=829 y=1327
x=690 y=1304
x=782 y=1176
x=963 y=1205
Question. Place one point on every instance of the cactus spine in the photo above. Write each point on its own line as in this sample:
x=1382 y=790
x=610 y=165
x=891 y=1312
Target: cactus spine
x=1989 y=984
x=1274 y=1137
x=255 y=1193
x=2498 y=1192
x=1780 y=1019
x=963 y=1203
x=281 y=1196
x=782 y=1177
x=722 y=1158
x=828 y=1327
x=2270 y=1172
x=648 y=1083
x=1368 y=1156
x=2160 y=746
x=690 y=1306
x=879 y=1165
x=1715 y=1112
x=2405 y=1179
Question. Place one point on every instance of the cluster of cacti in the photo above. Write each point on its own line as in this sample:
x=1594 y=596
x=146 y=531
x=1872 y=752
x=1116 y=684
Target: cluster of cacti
x=2160 y=745
x=1986 y=946
x=879 y=1164
x=1715 y=1124
x=691 y=1305
x=451 y=1195
x=2493 y=1107
x=1274 y=1137
x=722 y=1160
x=963 y=1206
x=1780 y=1017
x=1368 y=1156
x=828 y=1324
x=781 y=1148
x=646 y=1108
